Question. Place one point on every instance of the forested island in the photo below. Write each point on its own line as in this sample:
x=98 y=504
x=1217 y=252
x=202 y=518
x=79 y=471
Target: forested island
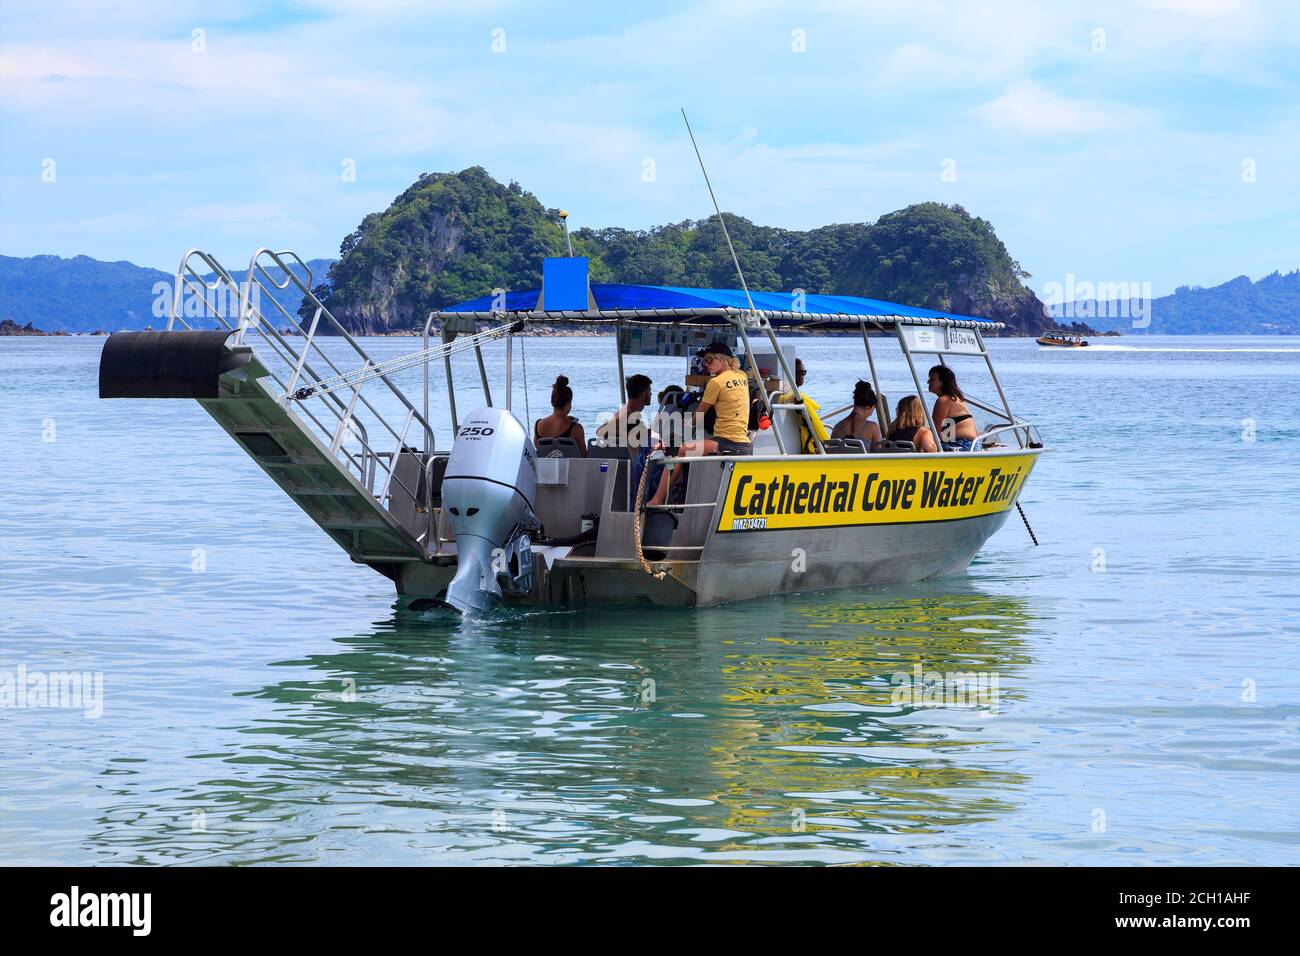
x=455 y=236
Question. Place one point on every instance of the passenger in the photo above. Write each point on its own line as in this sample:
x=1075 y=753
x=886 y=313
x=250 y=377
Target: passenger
x=806 y=444
x=727 y=394
x=667 y=431
x=858 y=424
x=672 y=389
x=909 y=424
x=669 y=425
x=624 y=429
x=951 y=406
x=560 y=424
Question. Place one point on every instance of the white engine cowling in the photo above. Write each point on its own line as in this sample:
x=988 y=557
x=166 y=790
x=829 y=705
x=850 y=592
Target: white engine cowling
x=488 y=492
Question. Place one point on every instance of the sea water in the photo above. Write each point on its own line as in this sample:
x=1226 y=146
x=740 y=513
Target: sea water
x=1127 y=692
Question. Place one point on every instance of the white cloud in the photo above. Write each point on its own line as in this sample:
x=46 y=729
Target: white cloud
x=1198 y=8
x=242 y=215
x=1030 y=108
x=249 y=135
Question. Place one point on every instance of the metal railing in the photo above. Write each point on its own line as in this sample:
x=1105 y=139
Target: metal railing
x=1026 y=434
x=451 y=345
x=294 y=366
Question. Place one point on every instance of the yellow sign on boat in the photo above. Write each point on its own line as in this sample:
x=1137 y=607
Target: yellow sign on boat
x=816 y=492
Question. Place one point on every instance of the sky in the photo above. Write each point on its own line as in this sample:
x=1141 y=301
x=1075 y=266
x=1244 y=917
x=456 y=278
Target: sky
x=1149 y=141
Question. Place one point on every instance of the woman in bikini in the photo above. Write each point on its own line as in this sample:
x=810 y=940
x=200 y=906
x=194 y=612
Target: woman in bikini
x=559 y=424
x=858 y=424
x=909 y=424
x=951 y=405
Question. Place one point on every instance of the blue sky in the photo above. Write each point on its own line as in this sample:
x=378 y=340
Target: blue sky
x=1148 y=141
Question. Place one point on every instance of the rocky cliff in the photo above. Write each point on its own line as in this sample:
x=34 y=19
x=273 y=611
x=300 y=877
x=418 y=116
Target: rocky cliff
x=455 y=236
x=448 y=238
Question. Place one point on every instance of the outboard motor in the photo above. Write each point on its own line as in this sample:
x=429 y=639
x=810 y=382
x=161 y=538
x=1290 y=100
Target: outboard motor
x=488 y=493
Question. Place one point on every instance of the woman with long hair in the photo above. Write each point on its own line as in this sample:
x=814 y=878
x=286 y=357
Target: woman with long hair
x=950 y=406
x=858 y=424
x=727 y=394
x=909 y=424
x=560 y=424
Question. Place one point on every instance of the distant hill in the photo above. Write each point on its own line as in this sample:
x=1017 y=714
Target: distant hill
x=82 y=294
x=455 y=236
x=1270 y=306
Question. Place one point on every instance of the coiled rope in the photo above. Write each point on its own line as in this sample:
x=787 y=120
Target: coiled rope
x=636 y=527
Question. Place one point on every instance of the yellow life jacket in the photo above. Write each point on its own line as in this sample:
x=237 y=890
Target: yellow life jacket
x=819 y=429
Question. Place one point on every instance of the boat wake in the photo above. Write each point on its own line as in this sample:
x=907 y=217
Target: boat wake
x=1208 y=349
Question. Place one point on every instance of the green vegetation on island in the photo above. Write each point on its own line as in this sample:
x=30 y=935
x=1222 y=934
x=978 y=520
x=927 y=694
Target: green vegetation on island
x=456 y=236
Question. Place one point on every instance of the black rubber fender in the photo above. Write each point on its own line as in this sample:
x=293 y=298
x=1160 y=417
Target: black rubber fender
x=180 y=364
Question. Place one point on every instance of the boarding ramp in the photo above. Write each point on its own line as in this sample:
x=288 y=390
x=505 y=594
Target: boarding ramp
x=316 y=412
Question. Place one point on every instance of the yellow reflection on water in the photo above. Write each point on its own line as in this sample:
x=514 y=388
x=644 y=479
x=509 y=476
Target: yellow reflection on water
x=818 y=739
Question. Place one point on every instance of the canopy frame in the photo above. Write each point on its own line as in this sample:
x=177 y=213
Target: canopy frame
x=741 y=322
x=720 y=316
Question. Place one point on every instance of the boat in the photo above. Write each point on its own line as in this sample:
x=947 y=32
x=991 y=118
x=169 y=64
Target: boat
x=1063 y=339
x=492 y=518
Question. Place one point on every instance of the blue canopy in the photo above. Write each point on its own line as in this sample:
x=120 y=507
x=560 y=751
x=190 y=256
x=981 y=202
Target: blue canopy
x=659 y=304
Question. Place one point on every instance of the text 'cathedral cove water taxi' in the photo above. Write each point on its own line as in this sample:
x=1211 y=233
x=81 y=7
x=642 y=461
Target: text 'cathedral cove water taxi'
x=499 y=517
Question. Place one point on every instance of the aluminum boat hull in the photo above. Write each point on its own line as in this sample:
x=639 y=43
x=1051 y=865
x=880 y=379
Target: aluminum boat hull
x=735 y=565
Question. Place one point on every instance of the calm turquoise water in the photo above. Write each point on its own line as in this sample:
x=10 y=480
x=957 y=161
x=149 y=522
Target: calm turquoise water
x=276 y=706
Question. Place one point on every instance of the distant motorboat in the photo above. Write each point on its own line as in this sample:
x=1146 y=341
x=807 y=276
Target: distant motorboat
x=1065 y=340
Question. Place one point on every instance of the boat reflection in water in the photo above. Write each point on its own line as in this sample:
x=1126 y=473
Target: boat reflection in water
x=768 y=731
x=834 y=735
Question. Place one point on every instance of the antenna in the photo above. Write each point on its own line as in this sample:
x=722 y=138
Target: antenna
x=744 y=336
x=564 y=221
x=726 y=235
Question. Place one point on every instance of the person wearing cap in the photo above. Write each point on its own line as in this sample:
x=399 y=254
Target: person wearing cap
x=727 y=393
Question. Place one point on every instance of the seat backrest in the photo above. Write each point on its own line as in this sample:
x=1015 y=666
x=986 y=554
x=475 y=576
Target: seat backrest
x=888 y=446
x=609 y=452
x=406 y=495
x=558 y=448
x=845 y=446
x=437 y=468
